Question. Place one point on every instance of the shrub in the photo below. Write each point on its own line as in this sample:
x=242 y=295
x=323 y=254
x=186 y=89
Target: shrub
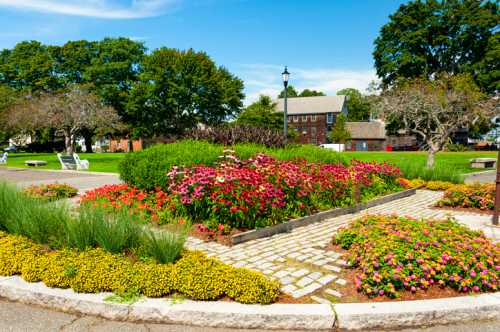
x=51 y=192
x=392 y=254
x=95 y=270
x=236 y=134
x=438 y=185
x=165 y=247
x=146 y=169
x=477 y=196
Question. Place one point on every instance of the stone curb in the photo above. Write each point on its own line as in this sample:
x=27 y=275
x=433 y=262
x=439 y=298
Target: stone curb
x=168 y=311
x=317 y=217
x=413 y=314
x=317 y=317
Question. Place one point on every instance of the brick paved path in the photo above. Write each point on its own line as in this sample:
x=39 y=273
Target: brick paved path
x=300 y=262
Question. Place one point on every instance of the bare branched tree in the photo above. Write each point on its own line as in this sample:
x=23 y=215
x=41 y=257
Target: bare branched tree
x=68 y=112
x=435 y=110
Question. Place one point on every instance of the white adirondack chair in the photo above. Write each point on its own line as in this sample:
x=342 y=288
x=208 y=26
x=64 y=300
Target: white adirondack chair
x=3 y=158
x=73 y=162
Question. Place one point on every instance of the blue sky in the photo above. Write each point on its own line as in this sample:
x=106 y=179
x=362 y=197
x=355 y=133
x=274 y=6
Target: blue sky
x=327 y=44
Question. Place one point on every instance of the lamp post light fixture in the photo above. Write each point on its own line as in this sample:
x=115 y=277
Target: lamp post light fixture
x=285 y=74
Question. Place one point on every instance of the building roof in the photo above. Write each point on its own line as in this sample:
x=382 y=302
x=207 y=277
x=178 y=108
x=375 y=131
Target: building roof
x=367 y=130
x=312 y=105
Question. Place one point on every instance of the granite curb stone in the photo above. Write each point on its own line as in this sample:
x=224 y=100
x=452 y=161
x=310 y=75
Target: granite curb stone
x=346 y=316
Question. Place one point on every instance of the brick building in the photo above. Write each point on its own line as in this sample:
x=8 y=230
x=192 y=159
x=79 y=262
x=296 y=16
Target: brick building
x=313 y=117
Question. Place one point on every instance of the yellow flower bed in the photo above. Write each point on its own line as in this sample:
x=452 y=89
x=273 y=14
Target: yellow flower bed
x=95 y=270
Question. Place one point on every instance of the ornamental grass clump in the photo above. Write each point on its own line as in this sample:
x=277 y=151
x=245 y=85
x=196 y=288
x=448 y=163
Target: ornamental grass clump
x=395 y=254
x=475 y=196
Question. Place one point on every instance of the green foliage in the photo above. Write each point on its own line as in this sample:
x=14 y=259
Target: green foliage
x=95 y=270
x=164 y=247
x=425 y=38
x=411 y=170
x=392 y=254
x=262 y=113
x=291 y=93
x=147 y=169
x=358 y=106
x=340 y=133
x=51 y=191
x=179 y=89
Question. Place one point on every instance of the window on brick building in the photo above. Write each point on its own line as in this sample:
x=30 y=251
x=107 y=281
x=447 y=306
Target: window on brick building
x=295 y=118
x=304 y=118
x=313 y=118
x=329 y=117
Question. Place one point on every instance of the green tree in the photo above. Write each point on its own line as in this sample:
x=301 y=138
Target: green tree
x=73 y=60
x=425 y=38
x=340 y=133
x=358 y=105
x=8 y=97
x=311 y=93
x=179 y=89
x=291 y=92
x=29 y=65
x=262 y=113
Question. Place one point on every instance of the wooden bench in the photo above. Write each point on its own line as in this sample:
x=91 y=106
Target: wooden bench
x=483 y=162
x=35 y=163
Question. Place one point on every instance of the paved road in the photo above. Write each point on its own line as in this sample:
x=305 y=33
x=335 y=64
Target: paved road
x=482 y=177
x=84 y=181
x=17 y=317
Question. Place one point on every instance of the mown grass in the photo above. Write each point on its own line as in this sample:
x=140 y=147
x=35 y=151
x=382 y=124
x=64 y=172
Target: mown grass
x=99 y=162
x=449 y=166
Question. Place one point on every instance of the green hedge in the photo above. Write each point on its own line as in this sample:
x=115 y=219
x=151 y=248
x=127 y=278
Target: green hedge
x=147 y=169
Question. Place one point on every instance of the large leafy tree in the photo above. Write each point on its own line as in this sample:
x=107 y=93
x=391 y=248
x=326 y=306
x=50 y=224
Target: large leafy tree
x=30 y=65
x=424 y=38
x=262 y=113
x=434 y=109
x=177 y=90
x=8 y=97
x=358 y=105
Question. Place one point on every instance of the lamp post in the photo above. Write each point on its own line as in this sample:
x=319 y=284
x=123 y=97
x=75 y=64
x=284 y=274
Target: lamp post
x=285 y=75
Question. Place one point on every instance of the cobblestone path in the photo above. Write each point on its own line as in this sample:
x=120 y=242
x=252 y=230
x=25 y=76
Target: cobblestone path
x=299 y=260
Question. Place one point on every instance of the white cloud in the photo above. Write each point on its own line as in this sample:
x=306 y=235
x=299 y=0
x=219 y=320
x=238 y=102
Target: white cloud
x=266 y=79
x=109 y=9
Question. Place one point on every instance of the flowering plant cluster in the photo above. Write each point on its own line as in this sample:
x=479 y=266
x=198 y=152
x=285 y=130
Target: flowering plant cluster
x=51 y=191
x=477 y=196
x=394 y=254
x=254 y=193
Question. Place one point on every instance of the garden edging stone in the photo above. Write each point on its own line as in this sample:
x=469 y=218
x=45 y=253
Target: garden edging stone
x=317 y=217
x=347 y=316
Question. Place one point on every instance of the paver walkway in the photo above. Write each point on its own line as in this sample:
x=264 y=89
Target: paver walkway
x=299 y=260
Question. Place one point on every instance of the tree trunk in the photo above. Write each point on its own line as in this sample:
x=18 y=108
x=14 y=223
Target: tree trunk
x=87 y=136
x=430 y=158
x=130 y=144
x=68 y=142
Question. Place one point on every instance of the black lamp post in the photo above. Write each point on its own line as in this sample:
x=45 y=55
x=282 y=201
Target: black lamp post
x=285 y=75
x=496 y=208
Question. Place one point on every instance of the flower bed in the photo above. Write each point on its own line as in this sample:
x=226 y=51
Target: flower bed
x=255 y=193
x=95 y=270
x=393 y=255
x=476 y=196
x=51 y=191
x=422 y=184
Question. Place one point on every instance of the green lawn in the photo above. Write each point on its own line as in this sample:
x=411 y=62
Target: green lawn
x=456 y=161
x=99 y=162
